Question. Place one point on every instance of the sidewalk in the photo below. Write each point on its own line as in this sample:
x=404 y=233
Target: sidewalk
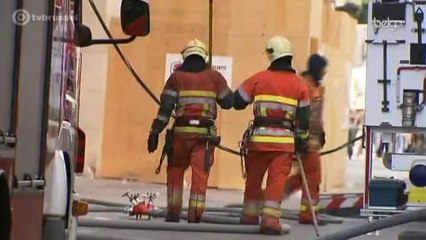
x=111 y=190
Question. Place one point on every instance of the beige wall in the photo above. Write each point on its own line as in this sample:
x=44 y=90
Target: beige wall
x=94 y=79
x=337 y=43
x=241 y=34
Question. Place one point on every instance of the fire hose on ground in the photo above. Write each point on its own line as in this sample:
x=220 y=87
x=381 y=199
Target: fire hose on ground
x=211 y=215
x=399 y=219
x=160 y=213
x=164 y=226
x=101 y=236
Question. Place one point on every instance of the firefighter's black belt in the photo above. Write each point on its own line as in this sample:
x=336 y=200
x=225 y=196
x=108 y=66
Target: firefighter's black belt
x=272 y=122
x=185 y=122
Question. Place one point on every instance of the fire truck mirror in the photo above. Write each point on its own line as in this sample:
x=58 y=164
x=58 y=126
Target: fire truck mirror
x=5 y=210
x=135 y=22
x=83 y=36
x=135 y=17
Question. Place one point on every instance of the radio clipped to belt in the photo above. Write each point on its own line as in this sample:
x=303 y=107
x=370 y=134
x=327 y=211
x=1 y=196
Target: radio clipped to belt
x=167 y=150
x=209 y=139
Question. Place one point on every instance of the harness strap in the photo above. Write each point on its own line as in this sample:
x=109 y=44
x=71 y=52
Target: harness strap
x=185 y=122
x=167 y=150
x=163 y=155
x=273 y=122
x=244 y=148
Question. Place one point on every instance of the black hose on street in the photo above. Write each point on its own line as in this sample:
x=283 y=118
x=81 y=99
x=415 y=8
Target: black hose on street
x=165 y=226
x=213 y=214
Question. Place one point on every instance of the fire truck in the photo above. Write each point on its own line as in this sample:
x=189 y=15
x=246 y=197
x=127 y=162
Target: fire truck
x=41 y=144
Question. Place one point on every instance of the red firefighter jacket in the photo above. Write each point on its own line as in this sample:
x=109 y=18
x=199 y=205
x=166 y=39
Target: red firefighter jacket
x=316 y=122
x=193 y=96
x=276 y=95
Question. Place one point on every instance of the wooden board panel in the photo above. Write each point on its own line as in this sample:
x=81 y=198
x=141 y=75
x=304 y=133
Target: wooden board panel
x=240 y=34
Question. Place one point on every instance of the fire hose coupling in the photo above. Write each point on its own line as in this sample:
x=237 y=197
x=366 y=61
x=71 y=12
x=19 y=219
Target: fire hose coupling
x=7 y=139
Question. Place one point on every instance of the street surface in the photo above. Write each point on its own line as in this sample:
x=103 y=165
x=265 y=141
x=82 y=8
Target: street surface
x=111 y=190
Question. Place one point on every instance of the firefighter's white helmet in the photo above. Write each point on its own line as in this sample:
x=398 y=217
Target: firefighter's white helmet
x=195 y=47
x=278 y=47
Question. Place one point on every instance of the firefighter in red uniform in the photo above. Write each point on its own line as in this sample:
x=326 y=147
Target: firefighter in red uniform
x=192 y=91
x=280 y=101
x=311 y=160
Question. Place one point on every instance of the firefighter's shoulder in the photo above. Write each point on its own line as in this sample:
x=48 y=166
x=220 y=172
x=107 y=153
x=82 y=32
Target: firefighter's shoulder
x=256 y=77
x=302 y=81
x=215 y=72
x=261 y=74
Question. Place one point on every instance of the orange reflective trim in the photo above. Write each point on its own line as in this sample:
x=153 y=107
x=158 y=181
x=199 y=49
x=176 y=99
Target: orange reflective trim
x=191 y=130
x=251 y=208
x=271 y=139
x=80 y=208
x=197 y=93
x=304 y=208
x=174 y=198
x=180 y=109
x=271 y=212
x=205 y=111
x=200 y=204
x=263 y=112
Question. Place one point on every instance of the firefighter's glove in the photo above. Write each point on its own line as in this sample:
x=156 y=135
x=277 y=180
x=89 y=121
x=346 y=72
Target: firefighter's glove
x=322 y=139
x=301 y=145
x=152 y=142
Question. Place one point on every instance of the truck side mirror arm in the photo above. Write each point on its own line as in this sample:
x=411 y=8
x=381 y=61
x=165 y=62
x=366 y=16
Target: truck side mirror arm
x=83 y=38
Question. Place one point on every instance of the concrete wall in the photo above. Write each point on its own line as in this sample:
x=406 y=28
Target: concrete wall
x=93 y=90
x=240 y=34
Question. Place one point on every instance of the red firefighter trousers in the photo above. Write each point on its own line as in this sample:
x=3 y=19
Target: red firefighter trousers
x=312 y=167
x=278 y=165
x=188 y=152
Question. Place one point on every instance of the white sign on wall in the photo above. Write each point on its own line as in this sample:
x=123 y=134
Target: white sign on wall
x=220 y=63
